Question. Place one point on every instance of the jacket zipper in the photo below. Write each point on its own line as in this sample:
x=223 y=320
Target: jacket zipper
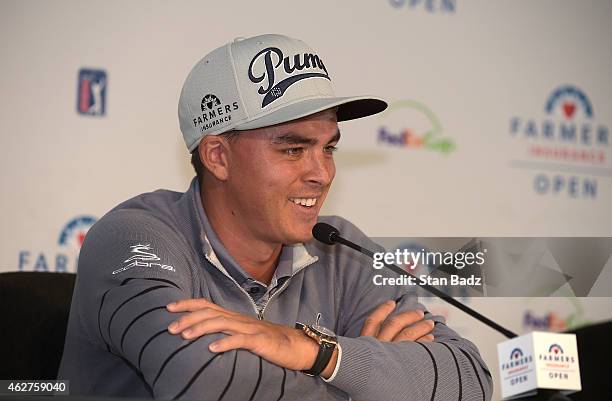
x=260 y=313
x=237 y=285
x=286 y=283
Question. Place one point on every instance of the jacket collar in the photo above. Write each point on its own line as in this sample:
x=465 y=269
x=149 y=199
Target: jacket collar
x=293 y=257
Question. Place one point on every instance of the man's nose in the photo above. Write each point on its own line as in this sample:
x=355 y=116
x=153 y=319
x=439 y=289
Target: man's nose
x=320 y=169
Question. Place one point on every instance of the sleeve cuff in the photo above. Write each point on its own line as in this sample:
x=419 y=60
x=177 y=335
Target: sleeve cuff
x=335 y=372
x=352 y=375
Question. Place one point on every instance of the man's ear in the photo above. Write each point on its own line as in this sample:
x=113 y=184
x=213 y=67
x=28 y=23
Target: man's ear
x=214 y=154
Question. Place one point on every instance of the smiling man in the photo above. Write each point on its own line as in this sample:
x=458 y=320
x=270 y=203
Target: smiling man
x=221 y=292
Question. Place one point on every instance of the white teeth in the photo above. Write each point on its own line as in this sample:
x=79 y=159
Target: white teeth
x=308 y=202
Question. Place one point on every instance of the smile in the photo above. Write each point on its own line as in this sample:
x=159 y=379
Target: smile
x=308 y=202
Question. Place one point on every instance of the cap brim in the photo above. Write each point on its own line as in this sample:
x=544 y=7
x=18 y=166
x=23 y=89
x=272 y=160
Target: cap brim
x=349 y=108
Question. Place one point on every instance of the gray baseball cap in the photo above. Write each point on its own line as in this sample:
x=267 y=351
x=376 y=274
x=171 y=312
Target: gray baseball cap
x=258 y=82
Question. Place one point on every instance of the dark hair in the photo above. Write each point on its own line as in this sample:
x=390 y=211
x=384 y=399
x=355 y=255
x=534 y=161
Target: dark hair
x=195 y=155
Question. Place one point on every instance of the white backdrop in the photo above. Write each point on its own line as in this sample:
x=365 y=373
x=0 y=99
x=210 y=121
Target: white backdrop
x=468 y=81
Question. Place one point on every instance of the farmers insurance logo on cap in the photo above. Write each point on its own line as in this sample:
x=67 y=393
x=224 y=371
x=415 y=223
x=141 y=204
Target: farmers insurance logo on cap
x=278 y=72
x=214 y=113
x=260 y=82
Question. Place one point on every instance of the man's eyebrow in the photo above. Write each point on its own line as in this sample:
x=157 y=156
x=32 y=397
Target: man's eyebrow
x=291 y=138
x=336 y=137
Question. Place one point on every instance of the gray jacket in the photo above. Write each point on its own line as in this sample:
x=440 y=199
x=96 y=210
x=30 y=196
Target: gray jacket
x=153 y=249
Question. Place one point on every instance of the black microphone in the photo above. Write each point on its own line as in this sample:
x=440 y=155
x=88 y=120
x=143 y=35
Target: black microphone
x=330 y=235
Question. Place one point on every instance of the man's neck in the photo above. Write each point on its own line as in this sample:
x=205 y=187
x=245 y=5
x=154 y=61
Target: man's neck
x=257 y=258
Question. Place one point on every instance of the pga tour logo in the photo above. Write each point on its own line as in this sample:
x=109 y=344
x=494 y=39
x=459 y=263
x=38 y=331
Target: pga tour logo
x=277 y=72
x=91 y=92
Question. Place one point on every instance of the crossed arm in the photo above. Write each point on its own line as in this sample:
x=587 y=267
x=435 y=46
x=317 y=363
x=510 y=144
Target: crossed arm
x=381 y=357
x=167 y=341
x=282 y=345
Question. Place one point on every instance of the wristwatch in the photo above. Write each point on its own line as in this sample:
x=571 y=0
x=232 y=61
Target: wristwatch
x=327 y=341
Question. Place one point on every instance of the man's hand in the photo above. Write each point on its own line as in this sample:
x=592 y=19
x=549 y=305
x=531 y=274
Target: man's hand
x=406 y=326
x=284 y=346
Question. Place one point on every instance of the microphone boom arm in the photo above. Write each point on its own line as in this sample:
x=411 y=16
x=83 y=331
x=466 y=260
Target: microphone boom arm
x=329 y=235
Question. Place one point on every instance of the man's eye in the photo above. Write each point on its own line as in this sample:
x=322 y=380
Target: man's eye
x=331 y=149
x=294 y=151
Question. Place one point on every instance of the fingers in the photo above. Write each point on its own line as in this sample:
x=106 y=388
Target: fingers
x=231 y=342
x=394 y=325
x=201 y=310
x=372 y=324
x=416 y=331
x=218 y=324
x=426 y=339
x=190 y=305
x=190 y=319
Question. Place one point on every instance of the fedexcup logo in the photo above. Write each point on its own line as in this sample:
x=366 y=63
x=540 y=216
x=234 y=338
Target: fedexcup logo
x=412 y=125
x=278 y=72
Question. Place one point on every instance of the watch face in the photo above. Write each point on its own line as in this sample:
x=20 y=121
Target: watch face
x=324 y=331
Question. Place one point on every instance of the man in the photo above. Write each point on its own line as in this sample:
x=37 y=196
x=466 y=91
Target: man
x=221 y=292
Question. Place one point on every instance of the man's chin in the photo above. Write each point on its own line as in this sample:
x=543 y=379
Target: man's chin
x=298 y=237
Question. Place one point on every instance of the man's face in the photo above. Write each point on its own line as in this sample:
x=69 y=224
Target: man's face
x=279 y=177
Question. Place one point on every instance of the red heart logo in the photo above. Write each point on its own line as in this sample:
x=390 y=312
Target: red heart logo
x=569 y=109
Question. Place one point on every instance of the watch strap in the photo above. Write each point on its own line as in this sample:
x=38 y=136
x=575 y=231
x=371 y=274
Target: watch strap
x=326 y=351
